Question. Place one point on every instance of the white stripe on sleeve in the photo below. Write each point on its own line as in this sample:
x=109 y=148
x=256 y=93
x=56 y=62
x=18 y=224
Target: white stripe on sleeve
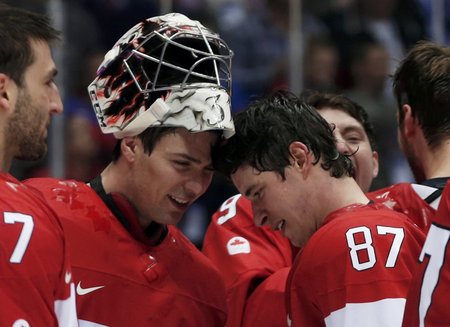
x=383 y=313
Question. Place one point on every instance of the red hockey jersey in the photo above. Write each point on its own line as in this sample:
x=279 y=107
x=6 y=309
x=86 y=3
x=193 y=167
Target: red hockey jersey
x=414 y=200
x=249 y=259
x=123 y=282
x=428 y=301
x=36 y=287
x=355 y=270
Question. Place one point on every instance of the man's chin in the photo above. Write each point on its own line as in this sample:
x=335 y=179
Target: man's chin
x=173 y=219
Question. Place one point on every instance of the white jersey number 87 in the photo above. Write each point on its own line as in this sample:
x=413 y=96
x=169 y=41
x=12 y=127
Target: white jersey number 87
x=365 y=233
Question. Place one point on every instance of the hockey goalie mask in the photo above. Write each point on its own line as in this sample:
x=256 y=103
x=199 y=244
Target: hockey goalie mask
x=165 y=71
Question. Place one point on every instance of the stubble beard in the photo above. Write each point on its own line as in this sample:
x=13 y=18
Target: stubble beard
x=24 y=129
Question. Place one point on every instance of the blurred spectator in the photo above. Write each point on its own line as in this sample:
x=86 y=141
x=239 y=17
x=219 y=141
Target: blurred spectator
x=430 y=21
x=369 y=71
x=114 y=17
x=320 y=66
x=396 y=24
x=83 y=159
x=200 y=10
x=258 y=32
x=87 y=149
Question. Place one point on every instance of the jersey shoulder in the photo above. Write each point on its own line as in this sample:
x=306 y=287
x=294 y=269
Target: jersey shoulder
x=235 y=211
x=20 y=198
x=70 y=199
x=356 y=226
x=410 y=199
x=197 y=269
x=442 y=216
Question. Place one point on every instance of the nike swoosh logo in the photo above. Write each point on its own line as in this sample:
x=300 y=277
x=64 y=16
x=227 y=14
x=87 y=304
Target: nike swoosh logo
x=84 y=291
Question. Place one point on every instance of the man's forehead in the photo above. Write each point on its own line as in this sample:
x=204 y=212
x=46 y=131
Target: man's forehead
x=340 y=118
x=245 y=178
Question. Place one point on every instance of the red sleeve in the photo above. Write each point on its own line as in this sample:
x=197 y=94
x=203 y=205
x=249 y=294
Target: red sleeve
x=427 y=303
x=355 y=271
x=244 y=253
x=266 y=305
x=35 y=279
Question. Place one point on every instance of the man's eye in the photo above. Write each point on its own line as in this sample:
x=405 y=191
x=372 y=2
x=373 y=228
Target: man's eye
x=353 y=139
x=182 y=163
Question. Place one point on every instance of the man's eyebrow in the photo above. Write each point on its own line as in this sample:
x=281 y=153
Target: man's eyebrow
x=353 y=127
x=190 y=158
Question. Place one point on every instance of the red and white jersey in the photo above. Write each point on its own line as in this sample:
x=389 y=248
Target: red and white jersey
x=355 y=270
x=247 y=255
x=418 y=201
x=36 y=287
x=123 y=282
x=428 y=301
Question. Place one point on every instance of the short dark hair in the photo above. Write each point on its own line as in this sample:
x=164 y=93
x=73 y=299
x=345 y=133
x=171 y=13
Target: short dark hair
x=320 y=101
x=18 y=28
x=423 y=81
x=268 y=126
x=149 y=138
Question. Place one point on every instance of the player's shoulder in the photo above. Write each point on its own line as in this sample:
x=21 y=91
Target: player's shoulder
x=365 y=227
x=442 y=216
x=49 y=184
x=196 y=266
x=387 y=192
x=355 y=218
x=187 y=249
x=236 y=210
x=60 y=191
x=369 y=214
x=22 y=198
x=401 y=192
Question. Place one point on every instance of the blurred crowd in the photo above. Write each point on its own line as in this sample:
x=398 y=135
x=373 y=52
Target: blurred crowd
x=348 y=46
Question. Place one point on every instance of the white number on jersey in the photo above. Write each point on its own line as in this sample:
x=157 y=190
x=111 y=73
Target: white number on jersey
x=228 y=208
x=368 y=248
x=25 y=235
x=435 y=247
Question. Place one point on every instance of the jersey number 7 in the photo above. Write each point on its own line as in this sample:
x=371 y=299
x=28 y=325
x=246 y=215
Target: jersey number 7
x=25 y=234
x=435 y=248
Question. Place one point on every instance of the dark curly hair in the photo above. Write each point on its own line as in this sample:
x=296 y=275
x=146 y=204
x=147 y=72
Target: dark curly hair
x=340 y=102
x=268 y=126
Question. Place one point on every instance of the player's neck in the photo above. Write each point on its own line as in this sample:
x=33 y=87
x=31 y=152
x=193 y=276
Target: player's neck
x=342 y=192
x=112 y=178
x=437 y=163
x=5 y=156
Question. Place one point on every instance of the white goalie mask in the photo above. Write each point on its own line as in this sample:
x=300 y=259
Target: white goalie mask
x=165 y=71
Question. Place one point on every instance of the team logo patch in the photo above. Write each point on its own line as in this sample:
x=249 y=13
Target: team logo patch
x=238 y=245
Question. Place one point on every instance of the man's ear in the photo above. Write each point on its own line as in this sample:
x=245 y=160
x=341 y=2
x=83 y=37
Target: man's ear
x=301 y=156
x=128 y=148
x=410 y=123
x=8 y=93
